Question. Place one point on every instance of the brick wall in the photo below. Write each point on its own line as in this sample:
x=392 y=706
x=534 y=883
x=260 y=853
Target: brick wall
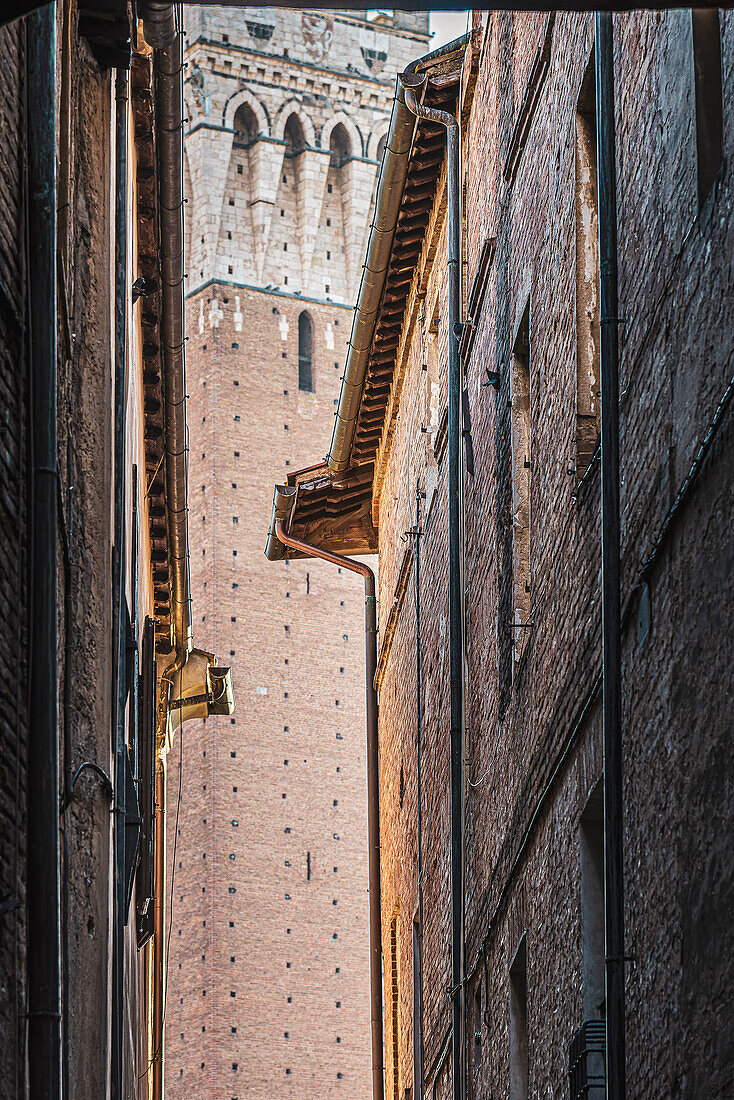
x=533 y=727
x=269 y=969
x=13 y=552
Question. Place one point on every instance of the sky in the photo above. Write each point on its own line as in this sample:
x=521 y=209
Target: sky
x=447 y=25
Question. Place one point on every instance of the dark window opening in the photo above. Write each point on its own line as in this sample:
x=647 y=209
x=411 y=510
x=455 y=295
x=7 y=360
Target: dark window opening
x=591 y=844
x=305 y=346
x=519 y=1023
x=587 y=274
x=521 y=464
x=707 y=76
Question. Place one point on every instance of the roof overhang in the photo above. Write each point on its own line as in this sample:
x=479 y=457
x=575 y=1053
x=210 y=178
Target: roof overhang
x=332 y=508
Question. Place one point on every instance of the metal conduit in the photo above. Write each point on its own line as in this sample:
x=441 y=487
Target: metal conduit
x=610 y=558
x=413 y=80
x=43 y=892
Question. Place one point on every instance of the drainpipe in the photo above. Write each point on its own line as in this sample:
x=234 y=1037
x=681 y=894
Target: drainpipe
x=118 y=583
x=284 y=501
x=412 y=80
x=610 y=553
x=43 y=910
x=159 y=961
x=160 y=26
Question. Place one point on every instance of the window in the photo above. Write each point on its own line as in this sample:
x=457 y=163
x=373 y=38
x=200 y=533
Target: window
x=417 y=1010
x=707 y=77
x=520 y=412
x=477 y=1029
x=519 y=1023
x=591 y=850
x=146 y=775
x=393 y=1007
x=305 y=345
x=295 y=139
x=587 y=274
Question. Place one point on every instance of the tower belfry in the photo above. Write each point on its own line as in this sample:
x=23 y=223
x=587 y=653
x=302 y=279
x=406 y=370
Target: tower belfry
x=268 y=974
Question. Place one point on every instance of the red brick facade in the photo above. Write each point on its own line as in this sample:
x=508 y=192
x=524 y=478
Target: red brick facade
x=268 y=972
x=533 y=724
x=532 y=794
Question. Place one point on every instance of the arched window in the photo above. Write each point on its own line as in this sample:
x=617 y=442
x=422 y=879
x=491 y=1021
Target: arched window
x=246 y=126
x=295 y=139
x=340 y=145
x=305 y=345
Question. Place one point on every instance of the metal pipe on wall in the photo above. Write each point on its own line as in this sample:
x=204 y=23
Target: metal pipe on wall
x=412 y=80
x=43 y=908
x=119 y=686
x=610 y=549
x=158 y=952
x=373 y=785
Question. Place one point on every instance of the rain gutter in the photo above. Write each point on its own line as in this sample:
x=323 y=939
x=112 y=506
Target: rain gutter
x=390 y=187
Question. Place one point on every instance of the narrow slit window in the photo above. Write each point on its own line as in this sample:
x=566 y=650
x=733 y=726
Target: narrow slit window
x=477 y=1029
x=707 y=76
x=519 y=1023
x=591 y=845
x=394 y=1007
x=587 y=274
x=521 y=455
x=417 y=1010
x=305 y=346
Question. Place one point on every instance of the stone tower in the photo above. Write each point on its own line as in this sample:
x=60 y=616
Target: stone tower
x=268 y=974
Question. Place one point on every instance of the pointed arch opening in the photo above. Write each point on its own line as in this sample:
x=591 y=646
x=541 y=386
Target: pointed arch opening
x=295 y=138
x=305 y=352
x=340 y=145
x=246 y=126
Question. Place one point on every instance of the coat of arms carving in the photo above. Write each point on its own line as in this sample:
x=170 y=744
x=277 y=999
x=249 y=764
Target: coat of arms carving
x=318 y=32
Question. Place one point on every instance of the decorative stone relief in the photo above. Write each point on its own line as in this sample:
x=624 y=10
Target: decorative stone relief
x=237 y=317
x=329 y=336
x=197 y=83
x=318 y=32
x=284 y=327
x=215 y=313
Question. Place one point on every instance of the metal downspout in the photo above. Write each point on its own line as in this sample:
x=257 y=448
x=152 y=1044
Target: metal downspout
x=413 y=80
x=43 y=900
x=118 y=584
x=158 y=950
x=610 y=552
x=162 y=31
x=373 y=790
